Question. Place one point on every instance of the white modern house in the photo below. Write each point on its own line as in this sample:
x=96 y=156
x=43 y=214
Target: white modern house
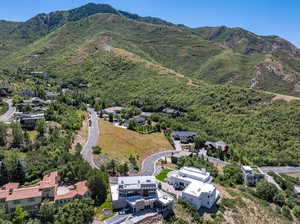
x=139 y=193
x=195 y=186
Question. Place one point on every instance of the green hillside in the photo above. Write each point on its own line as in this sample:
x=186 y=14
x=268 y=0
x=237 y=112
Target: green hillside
x=124 y=58
x=218 y=55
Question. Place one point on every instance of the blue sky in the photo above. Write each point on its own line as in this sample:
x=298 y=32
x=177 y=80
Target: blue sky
x=264 y=17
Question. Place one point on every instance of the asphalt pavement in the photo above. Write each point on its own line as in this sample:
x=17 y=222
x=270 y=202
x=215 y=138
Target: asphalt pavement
x=283 y=169
x=149 y=164
x=87 y=150
x=9 y=114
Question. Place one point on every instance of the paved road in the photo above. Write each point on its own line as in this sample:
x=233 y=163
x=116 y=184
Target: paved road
x=117 y=219
x=149 y=164
x=9 y=114
x=87 y=150
x=283 y=169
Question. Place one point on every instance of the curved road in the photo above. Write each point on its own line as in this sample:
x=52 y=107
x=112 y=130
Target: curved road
x=87 y=150
x=9 y=114
x=149 y=164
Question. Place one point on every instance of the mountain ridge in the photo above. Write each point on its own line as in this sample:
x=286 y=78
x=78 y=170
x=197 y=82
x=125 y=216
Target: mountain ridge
x=218 y=55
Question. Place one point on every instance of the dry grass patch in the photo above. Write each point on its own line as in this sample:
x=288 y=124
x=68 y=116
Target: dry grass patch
x=119 y=143
x=297 y=175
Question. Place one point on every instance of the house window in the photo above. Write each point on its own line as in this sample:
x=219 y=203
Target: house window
x=16 y=202
x=31 y=199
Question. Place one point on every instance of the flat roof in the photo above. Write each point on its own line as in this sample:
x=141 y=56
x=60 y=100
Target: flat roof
x=247 y=168
x=194 y=172
x=136 y=180
x=195 y=188
x=184 y=133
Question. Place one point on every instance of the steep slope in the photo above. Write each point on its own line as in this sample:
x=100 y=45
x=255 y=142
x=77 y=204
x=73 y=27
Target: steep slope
x=217 y=55
x=246 y=42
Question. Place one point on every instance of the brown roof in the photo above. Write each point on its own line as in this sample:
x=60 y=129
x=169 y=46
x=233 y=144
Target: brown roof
x=82 y=187
x=49 y=180
x=3 y=194
x=10 y=186
x=4 y=190
x=69 y=195
x=23 y=193
x=79 y=188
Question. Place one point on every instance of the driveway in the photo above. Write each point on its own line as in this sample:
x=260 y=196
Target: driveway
x=87 y=150
x=9 y=114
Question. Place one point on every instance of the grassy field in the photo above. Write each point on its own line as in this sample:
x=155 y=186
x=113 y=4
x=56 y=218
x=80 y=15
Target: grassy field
x=162 y=176
x=120 y=143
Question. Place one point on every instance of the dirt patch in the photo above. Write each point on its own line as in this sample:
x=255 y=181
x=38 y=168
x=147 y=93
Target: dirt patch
x=100 y=43
x=81 y=136
x=284 y=97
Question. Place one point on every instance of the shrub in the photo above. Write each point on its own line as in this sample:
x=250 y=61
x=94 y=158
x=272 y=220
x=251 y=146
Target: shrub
x=296 y=211
x=285 y=211
x=266 y=191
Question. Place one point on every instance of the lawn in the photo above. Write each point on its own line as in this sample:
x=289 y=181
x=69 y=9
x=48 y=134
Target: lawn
x=119 y=143
x=106 y=206
x=162 y=176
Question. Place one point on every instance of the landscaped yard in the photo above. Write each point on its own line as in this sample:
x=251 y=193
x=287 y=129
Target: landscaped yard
x=105 y=210
x=120 y=143
x=162 y=176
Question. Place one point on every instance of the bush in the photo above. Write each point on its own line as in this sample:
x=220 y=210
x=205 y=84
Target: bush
x=296 y=211
x=232 y=175
x=266 y=191
x=285 y=211
x=279 y=199
x=97 y=150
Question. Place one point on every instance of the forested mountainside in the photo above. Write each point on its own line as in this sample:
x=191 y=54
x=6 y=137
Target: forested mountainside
x=218 y=55
x=123 y=58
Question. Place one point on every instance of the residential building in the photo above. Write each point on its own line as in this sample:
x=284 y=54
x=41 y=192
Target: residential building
x=252 y=174
x=113 y=110
x=28 y=120
x=27 y=92
x=34 y=101
x=139 y=193
x=76 y=191
x=297 y=190
x=5 y=92
x=52 y=95
x=139 y=120
x=195 y=186
x=185 y=137
x=172 y=112
x=216 y=145
x=30 y=198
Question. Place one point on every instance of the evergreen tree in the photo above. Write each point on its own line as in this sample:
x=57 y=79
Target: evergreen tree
x=3 y=130
x=98 y=186
x=3 y=174
x=18 y=136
